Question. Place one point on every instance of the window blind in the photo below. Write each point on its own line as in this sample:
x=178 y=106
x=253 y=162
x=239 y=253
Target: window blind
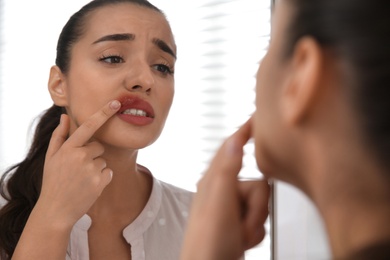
x=233 y=36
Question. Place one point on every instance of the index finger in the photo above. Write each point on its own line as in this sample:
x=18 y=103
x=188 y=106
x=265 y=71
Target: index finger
x=87 y=129
x=228 y=159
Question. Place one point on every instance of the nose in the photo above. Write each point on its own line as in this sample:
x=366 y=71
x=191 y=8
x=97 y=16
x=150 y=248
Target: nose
x=139 y=88
x=140 y=79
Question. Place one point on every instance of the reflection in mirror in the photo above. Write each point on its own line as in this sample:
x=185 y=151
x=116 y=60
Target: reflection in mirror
x=219 y=46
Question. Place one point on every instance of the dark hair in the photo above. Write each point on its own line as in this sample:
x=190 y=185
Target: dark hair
x=20 y=185
x=357 y=33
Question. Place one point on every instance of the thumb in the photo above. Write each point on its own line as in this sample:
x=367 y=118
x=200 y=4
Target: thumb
x=59 y=136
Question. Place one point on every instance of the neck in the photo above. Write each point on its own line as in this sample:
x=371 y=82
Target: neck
x=129 y=190
x=339 y=172
x=353 y=196
x=357 y=226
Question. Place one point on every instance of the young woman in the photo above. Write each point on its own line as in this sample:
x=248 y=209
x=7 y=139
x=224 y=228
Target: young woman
x=79 y=193
x=322 y=124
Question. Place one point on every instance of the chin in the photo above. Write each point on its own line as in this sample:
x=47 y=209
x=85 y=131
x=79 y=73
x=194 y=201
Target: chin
x=133 y=142
x=265 y=163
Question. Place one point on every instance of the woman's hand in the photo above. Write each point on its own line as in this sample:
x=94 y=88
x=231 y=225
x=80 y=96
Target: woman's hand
x=74 y=176
x=227 y=216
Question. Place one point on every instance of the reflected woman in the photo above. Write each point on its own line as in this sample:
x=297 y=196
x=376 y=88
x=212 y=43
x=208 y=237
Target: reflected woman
x=79 y=193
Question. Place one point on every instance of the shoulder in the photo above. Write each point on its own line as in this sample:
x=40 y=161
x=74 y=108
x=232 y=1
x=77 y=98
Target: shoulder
x=167 y=192
x=173 y=210
x=175 y=194
x=175 y=201
x=169 y=199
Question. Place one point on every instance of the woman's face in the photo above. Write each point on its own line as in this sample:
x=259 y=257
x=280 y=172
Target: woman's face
x=272 y=141
x=127 y=52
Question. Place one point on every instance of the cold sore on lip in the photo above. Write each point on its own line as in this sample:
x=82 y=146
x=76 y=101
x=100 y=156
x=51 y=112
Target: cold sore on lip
x=136 y=111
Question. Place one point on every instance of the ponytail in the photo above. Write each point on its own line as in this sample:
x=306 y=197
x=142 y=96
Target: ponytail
x=21 y=184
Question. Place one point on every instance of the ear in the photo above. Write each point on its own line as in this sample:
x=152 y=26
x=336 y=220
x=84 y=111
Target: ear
x=57 y=86
x=303 y=84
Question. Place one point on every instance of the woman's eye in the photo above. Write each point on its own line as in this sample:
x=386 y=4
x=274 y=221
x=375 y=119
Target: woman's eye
x=112 y=59
x=164 y=69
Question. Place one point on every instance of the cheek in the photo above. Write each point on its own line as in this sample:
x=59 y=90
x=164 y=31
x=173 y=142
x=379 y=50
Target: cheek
x=165 y=98
x=263 y=89
x=266 y=117
x=84 y=100
x=264 y=139
x=258 y=119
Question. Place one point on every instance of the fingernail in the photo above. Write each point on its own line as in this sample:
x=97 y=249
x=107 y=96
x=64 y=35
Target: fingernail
x=115 y=104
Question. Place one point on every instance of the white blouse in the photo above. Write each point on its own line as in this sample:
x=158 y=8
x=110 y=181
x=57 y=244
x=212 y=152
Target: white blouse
x=156 y=234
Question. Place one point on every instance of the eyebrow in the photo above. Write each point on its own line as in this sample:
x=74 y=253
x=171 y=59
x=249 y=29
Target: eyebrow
x=163 y=46
x=130 y=37
x=116 y=37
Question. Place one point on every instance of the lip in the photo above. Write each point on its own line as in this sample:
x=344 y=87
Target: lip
x=134 y=102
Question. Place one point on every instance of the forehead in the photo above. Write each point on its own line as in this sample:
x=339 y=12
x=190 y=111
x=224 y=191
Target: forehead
x=128 y=18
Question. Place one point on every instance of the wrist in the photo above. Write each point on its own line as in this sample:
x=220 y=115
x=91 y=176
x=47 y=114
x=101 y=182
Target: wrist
x=48 y=216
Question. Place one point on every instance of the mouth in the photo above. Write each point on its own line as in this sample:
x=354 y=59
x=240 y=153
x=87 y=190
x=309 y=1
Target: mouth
x=136 y=112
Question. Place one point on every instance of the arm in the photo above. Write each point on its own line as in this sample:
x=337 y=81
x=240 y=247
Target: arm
x=74 y=177
x=227 y=215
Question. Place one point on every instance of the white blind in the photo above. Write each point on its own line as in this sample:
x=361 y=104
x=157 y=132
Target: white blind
x=233 y=35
